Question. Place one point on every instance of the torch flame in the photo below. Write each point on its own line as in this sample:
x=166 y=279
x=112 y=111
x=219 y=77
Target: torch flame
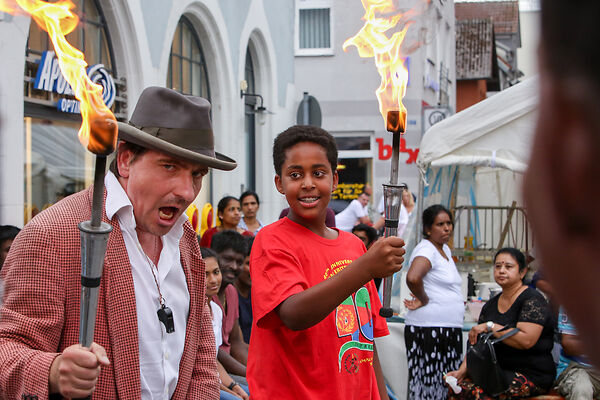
x=371 y=41
x=98 y=132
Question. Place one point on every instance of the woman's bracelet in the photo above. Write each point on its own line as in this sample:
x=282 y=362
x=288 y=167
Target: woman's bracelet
x=231 y=385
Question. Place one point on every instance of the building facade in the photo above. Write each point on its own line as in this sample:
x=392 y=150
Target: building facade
x=237 y=53
x=344 y=86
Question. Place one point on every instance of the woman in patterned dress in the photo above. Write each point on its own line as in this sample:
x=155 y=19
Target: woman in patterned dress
x=525 y=358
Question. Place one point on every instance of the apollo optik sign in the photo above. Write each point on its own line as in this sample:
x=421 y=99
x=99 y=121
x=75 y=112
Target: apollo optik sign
x=50 y=79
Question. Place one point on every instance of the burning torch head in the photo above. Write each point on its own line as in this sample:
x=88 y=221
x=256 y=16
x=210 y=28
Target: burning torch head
x=396 y=121
x=103 y=134
x=176 y=124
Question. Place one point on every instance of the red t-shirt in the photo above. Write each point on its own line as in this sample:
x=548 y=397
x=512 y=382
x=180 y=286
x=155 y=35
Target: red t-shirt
x=330 y=360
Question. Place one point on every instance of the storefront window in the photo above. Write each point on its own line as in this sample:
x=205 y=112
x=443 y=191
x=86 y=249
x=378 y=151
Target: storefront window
x=355 y=167
x=56 y=164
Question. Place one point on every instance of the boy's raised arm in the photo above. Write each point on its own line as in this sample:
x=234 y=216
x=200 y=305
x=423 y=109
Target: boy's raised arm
x=309 y=307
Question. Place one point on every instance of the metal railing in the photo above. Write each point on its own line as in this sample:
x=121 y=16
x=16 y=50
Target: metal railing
x=479 y=231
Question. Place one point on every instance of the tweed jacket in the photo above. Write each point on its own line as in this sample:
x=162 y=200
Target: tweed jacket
x=40 y=314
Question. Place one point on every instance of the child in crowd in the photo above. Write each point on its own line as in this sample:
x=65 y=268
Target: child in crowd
x=230 y=247
x=243 y=283
x=315 y=307
x=229 y=388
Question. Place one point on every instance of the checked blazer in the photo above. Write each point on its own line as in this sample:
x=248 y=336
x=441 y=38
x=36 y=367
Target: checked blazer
x=40 y=314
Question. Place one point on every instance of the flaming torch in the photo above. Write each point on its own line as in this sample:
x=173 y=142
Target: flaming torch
x=372 y=40
x=98 y=133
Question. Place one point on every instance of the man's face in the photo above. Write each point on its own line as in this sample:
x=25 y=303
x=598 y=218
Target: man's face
x=244 y=276
x=4 y=248
x=363 y=199
x=231 y=263
x=249 y=206
x=160 y=187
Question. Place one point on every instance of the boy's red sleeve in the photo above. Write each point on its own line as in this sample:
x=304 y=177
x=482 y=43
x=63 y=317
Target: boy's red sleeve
x=276 y=275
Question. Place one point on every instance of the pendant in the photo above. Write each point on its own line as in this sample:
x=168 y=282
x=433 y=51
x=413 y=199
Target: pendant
x=165 y=315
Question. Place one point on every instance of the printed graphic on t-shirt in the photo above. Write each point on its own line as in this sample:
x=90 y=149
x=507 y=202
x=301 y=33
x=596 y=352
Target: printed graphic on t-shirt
x=354 y=318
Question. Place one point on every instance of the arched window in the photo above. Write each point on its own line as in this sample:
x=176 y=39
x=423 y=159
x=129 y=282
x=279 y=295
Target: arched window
x=187 y=69
x=250 y=122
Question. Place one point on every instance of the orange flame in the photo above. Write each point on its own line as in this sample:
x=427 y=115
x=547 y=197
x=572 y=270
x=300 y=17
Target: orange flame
x=98 y=132
x=372 y=41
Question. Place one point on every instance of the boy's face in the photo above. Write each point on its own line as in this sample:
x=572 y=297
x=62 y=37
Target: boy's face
x=307 y=180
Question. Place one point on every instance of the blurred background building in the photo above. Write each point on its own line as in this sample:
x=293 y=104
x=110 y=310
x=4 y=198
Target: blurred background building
x=264 y=65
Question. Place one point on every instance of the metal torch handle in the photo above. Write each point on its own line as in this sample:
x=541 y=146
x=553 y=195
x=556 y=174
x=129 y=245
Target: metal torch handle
x=391 y=229
x=93 y=249
x=392 y=196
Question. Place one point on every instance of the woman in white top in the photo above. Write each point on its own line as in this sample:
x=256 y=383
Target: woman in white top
x=433 y=331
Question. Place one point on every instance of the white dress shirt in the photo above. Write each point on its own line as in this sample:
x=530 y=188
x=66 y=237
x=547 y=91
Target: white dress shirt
x=160 y=352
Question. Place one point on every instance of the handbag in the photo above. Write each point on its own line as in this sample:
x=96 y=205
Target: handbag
x=482 y=364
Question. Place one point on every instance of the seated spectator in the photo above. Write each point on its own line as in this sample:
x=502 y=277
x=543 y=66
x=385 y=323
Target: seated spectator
x=250 y=205
x=7 y=235
x=230 y=246
x=366 y=233
x=577 y=378
x=355 y=213
x=525 y=357
x=329 y=216
x=229 y=214
x=230 y=389
x=243 y=284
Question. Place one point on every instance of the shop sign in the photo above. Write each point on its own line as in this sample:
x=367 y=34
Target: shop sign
x=347 y=191
x=384 y=151
x=50 y=79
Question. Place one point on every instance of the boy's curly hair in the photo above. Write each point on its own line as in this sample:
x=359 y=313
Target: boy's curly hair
x=303 y=133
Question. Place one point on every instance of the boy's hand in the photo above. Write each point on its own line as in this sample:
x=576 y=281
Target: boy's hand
x=385 y=257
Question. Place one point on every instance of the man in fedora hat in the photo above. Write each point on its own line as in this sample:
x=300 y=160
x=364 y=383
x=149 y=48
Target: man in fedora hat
x=153 y=337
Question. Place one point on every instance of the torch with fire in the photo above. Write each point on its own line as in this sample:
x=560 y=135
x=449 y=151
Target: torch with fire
x=98 y=133
x=382 y=17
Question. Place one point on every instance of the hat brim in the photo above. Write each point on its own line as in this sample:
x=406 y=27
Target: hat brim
x=132 y=134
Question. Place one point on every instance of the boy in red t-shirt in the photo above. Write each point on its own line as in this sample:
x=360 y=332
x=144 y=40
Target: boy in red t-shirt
x=315 y=307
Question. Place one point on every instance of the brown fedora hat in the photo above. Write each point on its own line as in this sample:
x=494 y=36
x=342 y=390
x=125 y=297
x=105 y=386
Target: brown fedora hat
x=176 y=124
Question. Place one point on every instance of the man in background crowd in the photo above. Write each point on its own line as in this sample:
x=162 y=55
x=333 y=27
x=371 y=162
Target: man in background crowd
x=355 y=213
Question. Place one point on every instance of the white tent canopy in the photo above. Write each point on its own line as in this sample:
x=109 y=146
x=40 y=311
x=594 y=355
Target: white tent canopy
x=496 y=132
